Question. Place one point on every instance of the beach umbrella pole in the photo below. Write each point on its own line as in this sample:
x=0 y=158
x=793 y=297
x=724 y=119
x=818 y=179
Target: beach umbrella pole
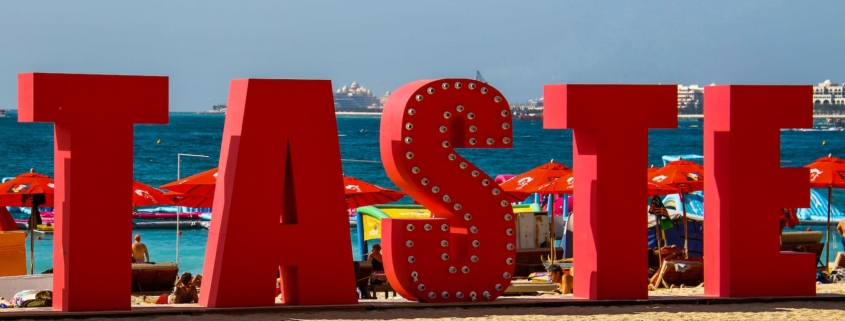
x=657 y=229
x=32 y=223
x=827 y=230
x=684 y=210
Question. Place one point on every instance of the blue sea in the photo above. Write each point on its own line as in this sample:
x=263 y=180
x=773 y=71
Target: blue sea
x=28 y=145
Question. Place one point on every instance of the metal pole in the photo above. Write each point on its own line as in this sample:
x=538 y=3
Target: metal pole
x=686 y=238
x=179 y=208
x=827 y=230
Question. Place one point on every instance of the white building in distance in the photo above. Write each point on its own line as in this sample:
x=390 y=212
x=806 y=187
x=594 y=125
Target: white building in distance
x=828 y=93
x=691 y=96
x=354 y=97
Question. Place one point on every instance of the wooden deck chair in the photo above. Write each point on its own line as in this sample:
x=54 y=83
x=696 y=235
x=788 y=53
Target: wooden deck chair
x=154 y=277
x=804 y=241
x=839 y=263
x=677 y=272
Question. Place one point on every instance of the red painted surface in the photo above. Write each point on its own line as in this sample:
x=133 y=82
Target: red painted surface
x=277 y=162
x=746 y=189
x=94 y=117
x=473 y=232
x=603 y=232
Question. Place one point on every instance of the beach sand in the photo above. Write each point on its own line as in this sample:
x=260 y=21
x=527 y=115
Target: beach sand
x=753 y=311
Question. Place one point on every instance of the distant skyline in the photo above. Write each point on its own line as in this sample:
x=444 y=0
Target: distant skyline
x=517 y=46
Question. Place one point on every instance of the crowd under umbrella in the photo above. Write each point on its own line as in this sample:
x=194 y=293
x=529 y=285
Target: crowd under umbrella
x=827 y=172
x=686 y=176
x=29 y=189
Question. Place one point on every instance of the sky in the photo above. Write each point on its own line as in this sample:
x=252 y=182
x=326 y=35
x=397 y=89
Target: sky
x=518 y=46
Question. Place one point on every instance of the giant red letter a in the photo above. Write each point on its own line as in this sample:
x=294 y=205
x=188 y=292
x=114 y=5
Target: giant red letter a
x=279 y=200
x=93 y=116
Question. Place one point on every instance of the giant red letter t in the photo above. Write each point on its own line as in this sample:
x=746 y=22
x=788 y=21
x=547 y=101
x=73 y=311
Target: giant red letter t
x=94 y=117
x=610 y=157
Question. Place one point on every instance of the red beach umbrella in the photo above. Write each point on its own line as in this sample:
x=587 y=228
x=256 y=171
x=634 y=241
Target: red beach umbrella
x=201 y=184
x=190 y=200
x=19 y=190
x=146 y=195
x=33 y=190
x=827 y=172
x=360 y=193
x=522 y=185
x=564 y=185
x=687 y=176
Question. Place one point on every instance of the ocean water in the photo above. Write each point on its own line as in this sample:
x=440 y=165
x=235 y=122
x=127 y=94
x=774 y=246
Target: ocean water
x=28 y=145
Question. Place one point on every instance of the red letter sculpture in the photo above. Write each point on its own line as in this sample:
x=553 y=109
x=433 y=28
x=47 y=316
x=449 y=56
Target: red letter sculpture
x=609 y=188
x=279 y=200
x=94 y=117
x=466 y=251
x=745 y=189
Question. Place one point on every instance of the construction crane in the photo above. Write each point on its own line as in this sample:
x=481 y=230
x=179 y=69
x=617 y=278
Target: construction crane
x=478 y=77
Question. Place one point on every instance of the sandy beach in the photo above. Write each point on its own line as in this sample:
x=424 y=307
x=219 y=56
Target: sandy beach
x=756 y=311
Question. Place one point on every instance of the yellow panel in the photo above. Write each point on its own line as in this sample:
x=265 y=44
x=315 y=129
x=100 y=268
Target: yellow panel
x=372 y=228
x=406 y=213
x=12 y=253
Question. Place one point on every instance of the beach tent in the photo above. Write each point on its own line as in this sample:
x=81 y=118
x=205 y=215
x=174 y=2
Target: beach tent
x=12 y=246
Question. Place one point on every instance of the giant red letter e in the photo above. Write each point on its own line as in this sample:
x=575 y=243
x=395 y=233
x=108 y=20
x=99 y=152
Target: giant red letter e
x=279 y=200
x=745 y=189
x=94 y=117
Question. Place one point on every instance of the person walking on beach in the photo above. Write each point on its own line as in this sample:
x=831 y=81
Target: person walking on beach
x=139 y=251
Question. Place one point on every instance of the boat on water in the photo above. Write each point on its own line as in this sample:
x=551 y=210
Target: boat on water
x=2 y=112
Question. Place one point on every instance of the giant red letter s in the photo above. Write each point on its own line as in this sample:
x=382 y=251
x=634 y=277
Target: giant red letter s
x=745 y=189
x=610 y=156
x=279 y=200
x=94 y=117
x=467 y=252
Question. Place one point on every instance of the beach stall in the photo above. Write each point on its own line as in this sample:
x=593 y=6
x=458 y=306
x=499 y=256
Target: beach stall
x=532 y=231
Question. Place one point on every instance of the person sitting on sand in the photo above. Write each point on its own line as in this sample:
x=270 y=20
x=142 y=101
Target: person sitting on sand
x=841 y=229
x=184 y=291
x=376 y=258
x=558 y=277
x=139 y=251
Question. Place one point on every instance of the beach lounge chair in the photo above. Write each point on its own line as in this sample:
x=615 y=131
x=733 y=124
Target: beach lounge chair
x=839 y=263
x=804 y=241
x=677 y=272
x=531 y=260
x=373 y=282
x=147 y=277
